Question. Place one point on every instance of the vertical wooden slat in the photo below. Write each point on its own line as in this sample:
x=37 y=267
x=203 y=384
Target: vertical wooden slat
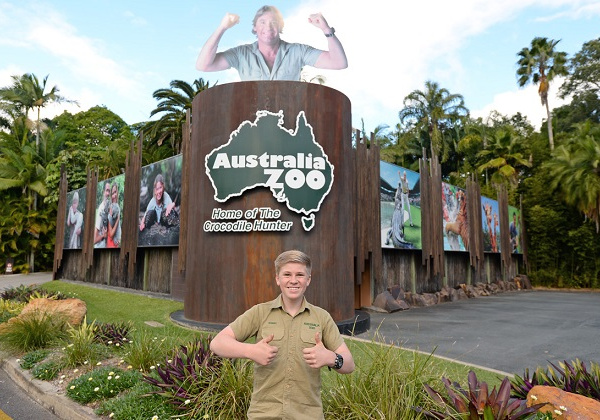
x=523 y=235
x=131 y=205
x=505 y=248
x=432 y=256
x=89 y=219
x=476 y=254
x=60 y=221
x=185 y=179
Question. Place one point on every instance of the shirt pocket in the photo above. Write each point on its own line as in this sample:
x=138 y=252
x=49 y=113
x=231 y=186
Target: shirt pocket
x=307 y=335
x=277 y=332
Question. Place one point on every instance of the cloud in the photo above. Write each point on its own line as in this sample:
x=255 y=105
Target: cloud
x=394 y=47
x=83 y=62
x=526 y=101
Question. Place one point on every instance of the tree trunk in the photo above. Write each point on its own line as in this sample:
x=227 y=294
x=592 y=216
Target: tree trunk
x=550 y=134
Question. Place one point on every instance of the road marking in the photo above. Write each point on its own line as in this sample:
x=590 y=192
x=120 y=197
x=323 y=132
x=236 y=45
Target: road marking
x=4 y=416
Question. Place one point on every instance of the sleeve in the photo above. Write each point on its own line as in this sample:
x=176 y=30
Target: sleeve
x=246 y=325
x=232 y=56
x=332 y=338
x=310 y=55
x=167 y=198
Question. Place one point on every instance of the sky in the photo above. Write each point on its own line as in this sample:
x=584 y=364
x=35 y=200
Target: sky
x=116 y=53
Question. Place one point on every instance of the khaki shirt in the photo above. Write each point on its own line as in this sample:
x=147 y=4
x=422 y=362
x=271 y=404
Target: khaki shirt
x=287 y=388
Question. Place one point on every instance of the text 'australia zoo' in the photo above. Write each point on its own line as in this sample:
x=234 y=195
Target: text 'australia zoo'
x=294 y=178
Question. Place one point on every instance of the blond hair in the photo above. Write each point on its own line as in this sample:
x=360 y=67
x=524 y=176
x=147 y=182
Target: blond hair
x=267 y=9
x=293 y=256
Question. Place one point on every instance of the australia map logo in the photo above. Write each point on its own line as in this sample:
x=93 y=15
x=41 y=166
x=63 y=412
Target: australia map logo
x=263 y=153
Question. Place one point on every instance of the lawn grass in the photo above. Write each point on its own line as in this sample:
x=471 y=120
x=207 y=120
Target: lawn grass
x=386 y=378
x=105 y=305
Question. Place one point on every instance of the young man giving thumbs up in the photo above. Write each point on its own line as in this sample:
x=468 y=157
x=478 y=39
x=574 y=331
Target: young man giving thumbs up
x=294 y=340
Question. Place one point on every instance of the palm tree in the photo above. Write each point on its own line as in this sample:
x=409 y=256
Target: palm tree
x=432 y=113
x=27 y=93
x=575 y=170
x=503 y=156
x=540 y=64
x=173 y=104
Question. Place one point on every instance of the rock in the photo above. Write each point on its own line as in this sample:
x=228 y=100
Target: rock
x=386 y=301
x=523 y=281
x=397 y=292
x=403 y=304
x=73 y=310
x=470 y=290
x=570 y=406
x=429 y=299
x=493 y=288
x=458 y=294
x=444 y=294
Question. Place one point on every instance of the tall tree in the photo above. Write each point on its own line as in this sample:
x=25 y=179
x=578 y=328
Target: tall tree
x=584 y=71
x=433 y=114
x=172 y=106
x=27 y=93
x=540 y=64
x=575 y=170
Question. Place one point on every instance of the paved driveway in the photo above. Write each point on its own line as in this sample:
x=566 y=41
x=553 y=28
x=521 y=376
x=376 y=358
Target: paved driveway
x=508 y=332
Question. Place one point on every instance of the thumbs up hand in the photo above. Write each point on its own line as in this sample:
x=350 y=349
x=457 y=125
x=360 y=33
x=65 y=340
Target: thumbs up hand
x=318 y=356
x=264 y=353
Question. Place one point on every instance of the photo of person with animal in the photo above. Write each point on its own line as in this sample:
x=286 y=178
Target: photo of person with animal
x=491 y=225
x=101 y=225
x=400 y=207
x=113 y=239
x=160 y=193
x=74 y=223
x=455 y=221
x=514 y=229
x=107 y=229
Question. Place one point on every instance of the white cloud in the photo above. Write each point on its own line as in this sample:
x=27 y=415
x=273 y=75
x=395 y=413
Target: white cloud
x=526 y=101
x=394 y=47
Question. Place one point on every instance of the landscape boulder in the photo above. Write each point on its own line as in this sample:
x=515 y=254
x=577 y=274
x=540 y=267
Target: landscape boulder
x=562 y=404
x=386 y=301
x=72 y=309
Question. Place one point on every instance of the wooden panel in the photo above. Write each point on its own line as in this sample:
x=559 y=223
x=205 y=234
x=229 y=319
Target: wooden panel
x=159 y=265
x=475 y=226
x=60 y=220
x=89 y=221
x=505 y=249
x=131 y=205
x=228 y=273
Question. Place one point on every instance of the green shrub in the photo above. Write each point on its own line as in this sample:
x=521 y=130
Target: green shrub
x=80 y=345
x=477 y=403
x=198 y=383
x=46 y=371
x=385 y=385
x=572 y=377
x=30 y=359
x=145 y=350
x=24 y=294
x=113 y=334
x=34 y=331
x=137 y=403
x=102 y=383
x=10 y=309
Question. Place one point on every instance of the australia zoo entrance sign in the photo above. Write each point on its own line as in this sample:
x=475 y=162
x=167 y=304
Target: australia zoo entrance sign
x=263 y=153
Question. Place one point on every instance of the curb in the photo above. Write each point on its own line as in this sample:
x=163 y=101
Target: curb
x=46 y=394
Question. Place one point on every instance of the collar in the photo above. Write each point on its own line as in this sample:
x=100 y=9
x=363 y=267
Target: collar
x=278 y=303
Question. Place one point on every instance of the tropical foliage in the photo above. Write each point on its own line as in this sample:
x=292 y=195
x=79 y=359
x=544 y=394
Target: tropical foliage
x=558 y=186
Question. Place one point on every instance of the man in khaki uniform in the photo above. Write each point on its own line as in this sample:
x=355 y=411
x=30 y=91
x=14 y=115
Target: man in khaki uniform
x=294 y=341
